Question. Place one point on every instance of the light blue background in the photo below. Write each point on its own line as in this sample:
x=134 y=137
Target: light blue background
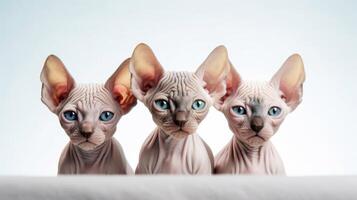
x=94 y=37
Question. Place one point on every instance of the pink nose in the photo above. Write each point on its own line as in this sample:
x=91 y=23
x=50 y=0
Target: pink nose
x=86 y=130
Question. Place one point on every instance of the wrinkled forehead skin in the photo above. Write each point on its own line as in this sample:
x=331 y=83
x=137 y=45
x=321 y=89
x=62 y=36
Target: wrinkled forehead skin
x=179 y=86
x=89 y=97
x=257 y=95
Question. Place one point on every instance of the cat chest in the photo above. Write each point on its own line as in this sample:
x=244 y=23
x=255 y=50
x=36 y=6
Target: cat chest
x=187 y=157
x=264 y=163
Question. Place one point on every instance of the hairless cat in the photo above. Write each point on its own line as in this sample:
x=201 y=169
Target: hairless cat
x=254 y=111
x=178 y=102
x=89 y=114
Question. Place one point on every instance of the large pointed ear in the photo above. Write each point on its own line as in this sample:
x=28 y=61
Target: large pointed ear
x=119 y=86
x=289 y=80
x=232 y=82
x=213 y=71
x=57 y=83
x=145 y=69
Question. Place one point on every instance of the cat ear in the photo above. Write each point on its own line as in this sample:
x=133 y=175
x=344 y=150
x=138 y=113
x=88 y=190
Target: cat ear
x=213 y=71
x=289 y=80
x=145 y=69
x=57 y=83
x=232 y=82
x=119 y=86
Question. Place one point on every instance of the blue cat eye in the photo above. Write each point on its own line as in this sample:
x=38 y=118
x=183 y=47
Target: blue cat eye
x=274 y=111
x=162 y=104
x=106 y=116
x=70 y=115
x=239 y=110
x=198 y=104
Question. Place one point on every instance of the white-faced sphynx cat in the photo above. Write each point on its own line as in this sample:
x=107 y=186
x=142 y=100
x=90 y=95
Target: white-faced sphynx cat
x=178 y=102
x=254 y=111
x=89 y=114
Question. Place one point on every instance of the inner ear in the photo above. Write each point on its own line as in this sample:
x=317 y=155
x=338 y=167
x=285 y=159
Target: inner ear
x=214 y=70
x=57 y=82
x=233 y=80
x=145 y=69
x=119 y=86
x=289 y=80
x=283 y=97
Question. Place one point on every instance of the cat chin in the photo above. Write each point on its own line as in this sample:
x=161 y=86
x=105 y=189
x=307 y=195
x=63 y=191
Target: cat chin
x=180 y=134
x=87 y=146
x=255 y=140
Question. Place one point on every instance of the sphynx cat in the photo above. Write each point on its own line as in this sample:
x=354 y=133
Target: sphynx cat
x=89 y=114
x=178 y=102
x=254 y=111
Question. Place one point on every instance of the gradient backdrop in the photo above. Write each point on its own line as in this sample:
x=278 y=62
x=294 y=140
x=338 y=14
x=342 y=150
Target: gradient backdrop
x=94 y=37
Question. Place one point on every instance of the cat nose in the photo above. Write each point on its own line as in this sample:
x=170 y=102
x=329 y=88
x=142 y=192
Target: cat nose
x=180 y=118
x=86 y=130
x=256 y=124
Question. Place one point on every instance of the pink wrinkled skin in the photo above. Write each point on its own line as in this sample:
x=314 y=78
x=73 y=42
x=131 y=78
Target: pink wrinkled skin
x=91 y=149
x=174 y=147
x=250 y=151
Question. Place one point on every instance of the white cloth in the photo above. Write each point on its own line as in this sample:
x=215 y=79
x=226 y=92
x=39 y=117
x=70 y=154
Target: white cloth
x=178 y=187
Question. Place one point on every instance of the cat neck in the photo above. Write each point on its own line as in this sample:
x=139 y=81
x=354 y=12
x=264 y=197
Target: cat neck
x=251 y=151
x=89 y=157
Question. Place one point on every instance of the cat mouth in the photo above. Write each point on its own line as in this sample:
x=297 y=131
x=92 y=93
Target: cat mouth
x=257 y=136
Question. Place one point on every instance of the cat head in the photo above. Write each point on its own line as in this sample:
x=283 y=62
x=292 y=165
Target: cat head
x=255 y=110
x=178 y=101
x=88 y=113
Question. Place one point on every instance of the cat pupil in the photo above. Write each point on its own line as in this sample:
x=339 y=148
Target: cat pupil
x=274 y=111
x=240 y=110
x=198 y=105
x=106 y=116
x=162 y=104
x=70 y=115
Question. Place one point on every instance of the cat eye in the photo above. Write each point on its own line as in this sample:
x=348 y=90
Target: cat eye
x=70 y=115
x=240 y=110
x=106 y=116
x=198 y=104
x=274 y=111
x=162 y=104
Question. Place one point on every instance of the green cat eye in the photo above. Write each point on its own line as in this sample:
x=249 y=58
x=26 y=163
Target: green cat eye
x=198 y=104
x=162 y=104
x=70 y=115
x=274 y=111
x=106 y=116
x=239 y=110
